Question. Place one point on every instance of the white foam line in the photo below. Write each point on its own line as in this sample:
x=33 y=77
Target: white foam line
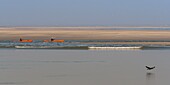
x=33 y=47
x=115 y=47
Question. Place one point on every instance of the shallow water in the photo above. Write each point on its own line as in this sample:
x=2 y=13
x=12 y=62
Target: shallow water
x=83 y=67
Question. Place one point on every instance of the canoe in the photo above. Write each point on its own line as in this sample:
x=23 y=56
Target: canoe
x=25 y=40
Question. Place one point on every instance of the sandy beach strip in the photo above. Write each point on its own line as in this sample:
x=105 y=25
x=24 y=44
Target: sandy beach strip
x=85 y=34
x=130 y=43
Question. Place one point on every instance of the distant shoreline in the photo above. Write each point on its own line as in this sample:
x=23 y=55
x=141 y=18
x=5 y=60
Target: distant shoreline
x=85 y=34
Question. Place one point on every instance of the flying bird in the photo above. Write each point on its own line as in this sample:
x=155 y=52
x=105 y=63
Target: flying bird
x=150 y=68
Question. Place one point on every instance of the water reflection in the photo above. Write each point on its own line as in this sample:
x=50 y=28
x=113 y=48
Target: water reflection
x=150 y=78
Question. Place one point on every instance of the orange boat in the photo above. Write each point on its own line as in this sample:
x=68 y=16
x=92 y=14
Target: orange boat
x=46 y=40
x=53 y=40
x=21 y=40
x=60 y=41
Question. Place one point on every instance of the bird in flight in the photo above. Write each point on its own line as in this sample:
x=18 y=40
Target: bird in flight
x=150 y=68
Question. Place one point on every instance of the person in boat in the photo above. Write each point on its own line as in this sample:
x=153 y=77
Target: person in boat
x=52 y=39
x=20 y=39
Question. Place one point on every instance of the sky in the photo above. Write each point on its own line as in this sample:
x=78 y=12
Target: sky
x=84 y=13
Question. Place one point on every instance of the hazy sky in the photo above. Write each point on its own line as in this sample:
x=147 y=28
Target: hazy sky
x=84 y=12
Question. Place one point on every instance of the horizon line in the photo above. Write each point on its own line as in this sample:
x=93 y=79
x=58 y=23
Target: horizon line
x=85 y=26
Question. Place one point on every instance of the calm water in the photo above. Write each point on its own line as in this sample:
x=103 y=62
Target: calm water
x=83 y=67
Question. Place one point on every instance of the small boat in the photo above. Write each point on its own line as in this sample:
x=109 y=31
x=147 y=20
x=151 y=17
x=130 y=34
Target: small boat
x=26 y=40
x=46 y=41
x=60 y=41
x=53 y=40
